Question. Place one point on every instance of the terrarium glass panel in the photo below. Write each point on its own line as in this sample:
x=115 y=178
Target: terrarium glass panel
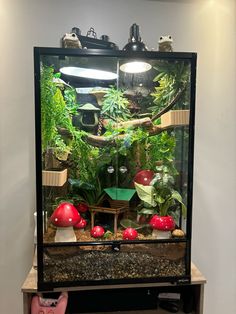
x=114 y=141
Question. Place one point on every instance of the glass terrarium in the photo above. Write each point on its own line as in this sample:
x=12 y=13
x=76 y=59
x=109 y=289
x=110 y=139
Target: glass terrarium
x=114 y=163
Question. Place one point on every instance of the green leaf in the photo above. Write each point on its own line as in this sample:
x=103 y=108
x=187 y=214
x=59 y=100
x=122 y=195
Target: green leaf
x=146 y=211
x=57 y=75
x=175 y=195
x=76 y=183
x=159 y=199
x=146 y=193
x=127 y=223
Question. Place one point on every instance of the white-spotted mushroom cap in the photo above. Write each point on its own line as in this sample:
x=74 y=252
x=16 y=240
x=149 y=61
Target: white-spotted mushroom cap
x=164 y=223
x=65 y=215
x=97 y=232
x=81 y=224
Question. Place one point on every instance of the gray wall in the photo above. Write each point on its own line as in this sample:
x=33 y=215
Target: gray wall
x=207 y=27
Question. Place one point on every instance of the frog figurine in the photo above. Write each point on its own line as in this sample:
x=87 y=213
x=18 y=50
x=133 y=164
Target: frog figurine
x=71 y=40
x=165 y=43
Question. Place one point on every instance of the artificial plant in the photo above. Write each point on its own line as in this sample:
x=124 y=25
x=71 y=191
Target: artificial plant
x=159 y=149
x=115 y=105
x=173 y=80
x=54 y=115
x=160 y=197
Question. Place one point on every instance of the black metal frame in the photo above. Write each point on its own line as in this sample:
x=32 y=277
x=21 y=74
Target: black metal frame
x=184 y=56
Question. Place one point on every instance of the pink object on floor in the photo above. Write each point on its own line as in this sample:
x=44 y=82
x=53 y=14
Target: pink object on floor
x=49 y=306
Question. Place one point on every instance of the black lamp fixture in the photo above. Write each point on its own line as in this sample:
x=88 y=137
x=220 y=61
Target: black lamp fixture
x=135 y=44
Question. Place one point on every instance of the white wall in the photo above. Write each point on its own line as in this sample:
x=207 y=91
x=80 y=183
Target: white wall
x=207 y=27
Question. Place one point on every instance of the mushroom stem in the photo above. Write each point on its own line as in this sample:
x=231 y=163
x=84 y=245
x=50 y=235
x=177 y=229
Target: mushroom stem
x=65 y=234
x=160 y=234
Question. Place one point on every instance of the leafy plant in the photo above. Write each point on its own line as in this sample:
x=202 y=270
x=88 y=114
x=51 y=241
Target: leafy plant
x=156 y=149
x=160 y=197
x=54 y=115
x=48 y=90
x=71 y=102
x=172 y=77
x=83 y=158
x=115 y=105
x=89 y=193
x=124 y=138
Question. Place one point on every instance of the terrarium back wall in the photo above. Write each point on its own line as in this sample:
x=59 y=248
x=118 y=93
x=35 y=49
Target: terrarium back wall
x=207 y=27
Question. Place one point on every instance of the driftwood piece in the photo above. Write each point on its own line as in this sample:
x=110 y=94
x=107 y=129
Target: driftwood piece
x=143 y=122
x=103 y=141
x=155 y=129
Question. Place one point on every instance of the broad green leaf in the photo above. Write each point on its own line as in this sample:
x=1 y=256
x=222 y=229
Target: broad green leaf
x=175 y=195
x=127 y=223
x=146 y=193
x=81 y=184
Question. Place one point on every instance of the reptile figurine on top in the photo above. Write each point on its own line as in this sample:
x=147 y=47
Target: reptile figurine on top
x=165 y=43
x=71 y=40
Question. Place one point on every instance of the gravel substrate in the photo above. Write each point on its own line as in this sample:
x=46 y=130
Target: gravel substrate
x=98 y=264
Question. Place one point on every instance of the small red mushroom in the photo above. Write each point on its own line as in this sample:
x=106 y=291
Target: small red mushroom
x=130 y=234
x=162 y=226
x=82 y=207
x=81 y=224
x=144 y=177
x=64 y=217
x=97 y=232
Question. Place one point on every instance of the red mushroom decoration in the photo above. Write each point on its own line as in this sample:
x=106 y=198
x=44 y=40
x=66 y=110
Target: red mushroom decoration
x=144 y=177
x=64 y=217
x=81 y=224
x=130 y=234
x=162 y=226
x=97 y=232
x=82 y=207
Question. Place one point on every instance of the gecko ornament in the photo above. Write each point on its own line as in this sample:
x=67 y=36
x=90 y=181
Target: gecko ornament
x=165 y=43
x=71 y=40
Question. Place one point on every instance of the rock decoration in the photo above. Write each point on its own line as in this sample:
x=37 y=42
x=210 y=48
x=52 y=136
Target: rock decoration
x=178 y=233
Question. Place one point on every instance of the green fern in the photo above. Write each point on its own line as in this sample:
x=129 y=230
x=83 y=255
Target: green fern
x=115 y=105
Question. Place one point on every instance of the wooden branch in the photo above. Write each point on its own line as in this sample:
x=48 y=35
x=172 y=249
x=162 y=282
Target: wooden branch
x=156 y=129
x=170 y=104
x=100 y=141
x=103 y=141
x=144 y=122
